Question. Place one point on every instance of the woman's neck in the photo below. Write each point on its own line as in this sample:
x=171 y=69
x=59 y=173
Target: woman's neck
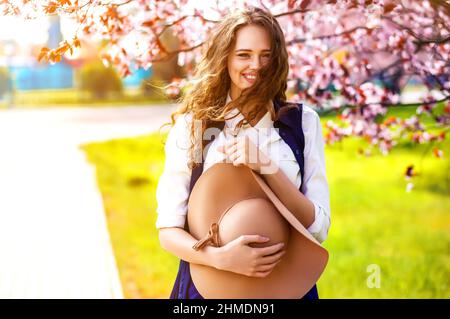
x=258 y=116
x=234 y=94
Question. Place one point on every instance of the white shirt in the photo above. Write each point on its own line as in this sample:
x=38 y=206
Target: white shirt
x=172 y=192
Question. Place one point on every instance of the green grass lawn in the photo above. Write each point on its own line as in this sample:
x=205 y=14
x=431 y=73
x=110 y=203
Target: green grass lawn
x=374 y=220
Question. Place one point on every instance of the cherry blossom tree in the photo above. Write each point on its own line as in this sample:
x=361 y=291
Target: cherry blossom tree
x=351 y=58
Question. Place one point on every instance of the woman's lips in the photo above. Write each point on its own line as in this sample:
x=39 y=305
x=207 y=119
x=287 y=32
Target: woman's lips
x=249 y=80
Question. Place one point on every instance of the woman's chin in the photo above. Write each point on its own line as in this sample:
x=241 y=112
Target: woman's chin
x=246 y=86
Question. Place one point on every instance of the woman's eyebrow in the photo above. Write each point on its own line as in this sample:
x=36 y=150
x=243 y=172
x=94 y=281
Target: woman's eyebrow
x=265 y=50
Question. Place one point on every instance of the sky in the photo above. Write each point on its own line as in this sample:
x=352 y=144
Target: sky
x=25 y=31
x=34 y=31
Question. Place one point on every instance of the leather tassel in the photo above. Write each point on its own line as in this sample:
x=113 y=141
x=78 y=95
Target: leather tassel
x=212 y=238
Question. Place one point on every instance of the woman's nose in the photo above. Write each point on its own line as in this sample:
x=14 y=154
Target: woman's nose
x=256 y=63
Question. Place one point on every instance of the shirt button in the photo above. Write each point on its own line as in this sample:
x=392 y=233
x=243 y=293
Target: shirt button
x=297 y=152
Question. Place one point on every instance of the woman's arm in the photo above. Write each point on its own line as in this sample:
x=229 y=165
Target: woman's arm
x=172 y=195
x=315 y=189
x=287 y=192
x=236 y=256
x=179 y=242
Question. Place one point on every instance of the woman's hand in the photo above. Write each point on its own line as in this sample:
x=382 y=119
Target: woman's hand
x=238 y=257
x=242 y=151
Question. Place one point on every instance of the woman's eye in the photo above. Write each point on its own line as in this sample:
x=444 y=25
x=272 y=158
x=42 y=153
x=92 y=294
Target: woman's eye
x=247 y=55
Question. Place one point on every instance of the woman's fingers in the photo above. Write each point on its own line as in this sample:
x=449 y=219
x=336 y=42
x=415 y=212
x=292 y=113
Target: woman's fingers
x=248 y=239
x=225 y=147
x=269 y=250
x=232 y=149
x=241 y=151
x=272 y=258
x=267 y=267
x=233 y=157
x=262 y=274
x=238 y=160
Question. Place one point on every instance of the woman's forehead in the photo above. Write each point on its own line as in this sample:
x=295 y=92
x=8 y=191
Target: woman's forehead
x=254 y=38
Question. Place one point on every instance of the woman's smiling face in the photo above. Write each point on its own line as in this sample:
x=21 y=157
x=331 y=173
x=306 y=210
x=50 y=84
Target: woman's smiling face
x=250 y=53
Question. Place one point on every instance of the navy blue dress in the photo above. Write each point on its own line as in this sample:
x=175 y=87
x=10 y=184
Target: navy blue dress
x=290 y=129
x=184 y=287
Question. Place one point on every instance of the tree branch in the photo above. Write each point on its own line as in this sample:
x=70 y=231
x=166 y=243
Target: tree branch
x=167 y=26
x=420 y=41
x=291 y=12
x=170 y=54
x=299 y=40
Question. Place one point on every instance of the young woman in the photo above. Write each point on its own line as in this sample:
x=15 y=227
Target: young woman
x=242 y=79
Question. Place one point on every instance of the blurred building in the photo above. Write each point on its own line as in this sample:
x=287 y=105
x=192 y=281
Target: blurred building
x=28 y=74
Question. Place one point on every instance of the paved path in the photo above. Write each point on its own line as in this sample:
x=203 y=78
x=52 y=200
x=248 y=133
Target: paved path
x=54 y=241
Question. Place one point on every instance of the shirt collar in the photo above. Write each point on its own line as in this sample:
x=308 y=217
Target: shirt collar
x=264 y=122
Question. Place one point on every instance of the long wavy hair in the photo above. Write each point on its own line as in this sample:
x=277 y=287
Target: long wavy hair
x=206 y=100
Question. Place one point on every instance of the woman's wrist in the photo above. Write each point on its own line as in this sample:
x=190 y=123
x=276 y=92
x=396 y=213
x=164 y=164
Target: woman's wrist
x=213 y=256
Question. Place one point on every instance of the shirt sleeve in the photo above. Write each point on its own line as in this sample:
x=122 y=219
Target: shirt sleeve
x=315 y=186
x=172 y=191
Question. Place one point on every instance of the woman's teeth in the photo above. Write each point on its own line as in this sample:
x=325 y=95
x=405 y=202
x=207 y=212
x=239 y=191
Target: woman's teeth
x=249 y=77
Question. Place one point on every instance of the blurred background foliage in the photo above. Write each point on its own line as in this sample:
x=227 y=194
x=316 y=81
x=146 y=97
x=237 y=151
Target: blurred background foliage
x=100 y=81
